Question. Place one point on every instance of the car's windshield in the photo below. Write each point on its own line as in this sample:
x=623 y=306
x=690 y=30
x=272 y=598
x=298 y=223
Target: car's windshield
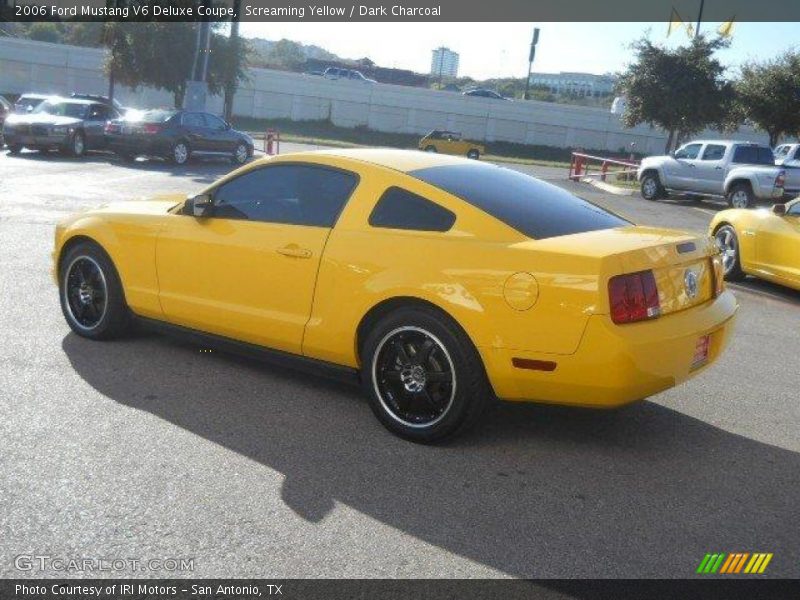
x=63 y=109
x=531 y=206
x=151 y=116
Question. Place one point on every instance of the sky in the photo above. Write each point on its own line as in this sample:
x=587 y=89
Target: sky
x=501 y=49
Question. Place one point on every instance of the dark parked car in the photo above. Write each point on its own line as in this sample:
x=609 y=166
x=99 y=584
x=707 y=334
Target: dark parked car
x=481 y=93
x=122 y=110
x=69 y=125
x=6 y=108
x=177 y=135
x=29 y=102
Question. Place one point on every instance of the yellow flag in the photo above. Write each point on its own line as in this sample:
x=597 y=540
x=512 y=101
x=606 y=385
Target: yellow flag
x=726 y=29
x=675 y=22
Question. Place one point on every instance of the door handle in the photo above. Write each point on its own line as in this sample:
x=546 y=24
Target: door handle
x=295 y=251
x=718 y=168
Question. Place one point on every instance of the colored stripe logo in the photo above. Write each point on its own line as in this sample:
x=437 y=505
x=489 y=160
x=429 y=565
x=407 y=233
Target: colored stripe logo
x=734 y=563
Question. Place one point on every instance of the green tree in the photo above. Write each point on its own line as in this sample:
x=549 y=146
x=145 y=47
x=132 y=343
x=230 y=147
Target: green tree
x=161 y=55
x=286 y=54
x=681 y=91
x=768 y=95
x=45 y=32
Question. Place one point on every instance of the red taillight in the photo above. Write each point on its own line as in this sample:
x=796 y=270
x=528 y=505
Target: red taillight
x=151 y=128
x=780 y=179
x=633 y=297
x=719 y=274
x=111 y=128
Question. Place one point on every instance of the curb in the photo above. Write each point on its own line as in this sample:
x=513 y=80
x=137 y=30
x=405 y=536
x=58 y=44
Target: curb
x=611 y=189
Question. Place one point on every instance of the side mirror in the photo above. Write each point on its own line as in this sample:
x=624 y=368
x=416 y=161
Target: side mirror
x=228 y=126
x=29 y=109
x=198 y=206
x=779 y=209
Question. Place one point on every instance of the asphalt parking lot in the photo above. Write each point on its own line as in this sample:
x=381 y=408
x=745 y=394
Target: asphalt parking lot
x=147 y=448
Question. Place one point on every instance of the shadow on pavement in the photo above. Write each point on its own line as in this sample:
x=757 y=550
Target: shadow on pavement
x=767 y=288
x=535 y=491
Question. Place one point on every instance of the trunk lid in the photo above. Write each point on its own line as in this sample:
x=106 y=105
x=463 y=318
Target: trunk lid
x=681 y=262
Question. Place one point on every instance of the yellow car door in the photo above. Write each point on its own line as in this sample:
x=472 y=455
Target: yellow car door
x=248 y=270
x=778 y=245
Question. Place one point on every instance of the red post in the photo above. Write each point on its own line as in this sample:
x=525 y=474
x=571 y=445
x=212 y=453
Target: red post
x=269 y=138
x=578 y=165
x=603 y=170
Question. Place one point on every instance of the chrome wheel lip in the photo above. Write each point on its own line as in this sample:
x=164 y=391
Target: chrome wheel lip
x=65 y=293
x=180 y=153
x=739 y=199
x=726 y=242
x=649 y=187
x=374 y=372
x=240 y=155
x=78 y=145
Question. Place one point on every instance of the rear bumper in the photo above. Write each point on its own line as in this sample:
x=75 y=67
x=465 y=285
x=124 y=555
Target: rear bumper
x=617 y=364
x=148 y=146
x=37 y=141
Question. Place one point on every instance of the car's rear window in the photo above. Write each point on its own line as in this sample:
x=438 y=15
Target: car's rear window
x=153 y=116
x=753 y=155
x=531 y=206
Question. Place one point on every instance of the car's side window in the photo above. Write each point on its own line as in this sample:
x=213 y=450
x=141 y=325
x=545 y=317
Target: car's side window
x=689 y=152
x=215 y=122
x=292 y=194
x=400 y=209
x=713 y=152
x=794 y=210
x=194 y=120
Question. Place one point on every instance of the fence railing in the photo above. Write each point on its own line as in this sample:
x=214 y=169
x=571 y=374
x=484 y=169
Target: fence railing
x=583 y=165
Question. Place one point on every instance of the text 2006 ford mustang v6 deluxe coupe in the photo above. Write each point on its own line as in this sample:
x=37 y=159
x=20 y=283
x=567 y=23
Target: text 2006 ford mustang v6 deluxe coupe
x=439 y=281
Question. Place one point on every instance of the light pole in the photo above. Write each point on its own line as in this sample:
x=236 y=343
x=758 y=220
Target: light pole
x=699 y=18
x=531 y=56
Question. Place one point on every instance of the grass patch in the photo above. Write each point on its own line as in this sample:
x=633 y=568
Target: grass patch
x=324 y=133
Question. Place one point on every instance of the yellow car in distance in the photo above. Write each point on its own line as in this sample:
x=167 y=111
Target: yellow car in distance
x=763 y=243
x=451 y=142
x=439 y=283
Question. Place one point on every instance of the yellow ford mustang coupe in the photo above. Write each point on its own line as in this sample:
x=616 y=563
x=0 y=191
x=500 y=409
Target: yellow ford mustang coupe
x=760 y=242
x=440 y=282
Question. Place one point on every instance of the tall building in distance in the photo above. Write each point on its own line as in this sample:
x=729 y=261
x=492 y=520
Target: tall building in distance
x=444 y=63
x=575 y=84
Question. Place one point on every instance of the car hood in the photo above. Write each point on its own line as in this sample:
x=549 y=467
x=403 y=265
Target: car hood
x=41 y=119
x=155 y=205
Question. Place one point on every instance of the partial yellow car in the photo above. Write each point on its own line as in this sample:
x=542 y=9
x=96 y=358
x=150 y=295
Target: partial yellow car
x=451 y=142
x=438 y=282
x=764 y=243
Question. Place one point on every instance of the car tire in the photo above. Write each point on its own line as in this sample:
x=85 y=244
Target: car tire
x=399 y=382
x=77 y=145
x=728 y=244
x=651 y=188
x=740 y=196
x=430 y=148
x=180 y=153
x=474 y=154
x=240 y=154
x=14 y=148
x=91 y=294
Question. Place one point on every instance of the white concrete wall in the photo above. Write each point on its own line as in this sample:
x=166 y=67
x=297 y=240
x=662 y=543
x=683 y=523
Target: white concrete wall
x=27 y=66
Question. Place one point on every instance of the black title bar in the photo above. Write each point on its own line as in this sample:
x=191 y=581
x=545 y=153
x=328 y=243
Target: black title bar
x=401 y=10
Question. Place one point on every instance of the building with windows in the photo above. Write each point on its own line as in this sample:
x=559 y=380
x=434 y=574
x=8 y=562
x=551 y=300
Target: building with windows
x=575 y=84
x=444 y=63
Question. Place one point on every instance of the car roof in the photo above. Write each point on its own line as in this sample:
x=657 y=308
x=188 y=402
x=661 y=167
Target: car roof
x=390 y=158
x=36 y=95
x=745 y=142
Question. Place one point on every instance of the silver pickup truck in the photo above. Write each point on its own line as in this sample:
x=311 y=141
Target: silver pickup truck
x=742 y=172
